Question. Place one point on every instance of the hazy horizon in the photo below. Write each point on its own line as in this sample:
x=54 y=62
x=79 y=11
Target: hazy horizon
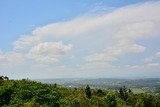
x=80 y=39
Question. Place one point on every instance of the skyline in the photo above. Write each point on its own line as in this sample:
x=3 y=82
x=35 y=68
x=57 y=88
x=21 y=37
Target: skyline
x=79 y=39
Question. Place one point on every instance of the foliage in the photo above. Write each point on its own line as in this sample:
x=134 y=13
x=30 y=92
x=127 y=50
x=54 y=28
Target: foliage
x=26 y=93
x=88 y=91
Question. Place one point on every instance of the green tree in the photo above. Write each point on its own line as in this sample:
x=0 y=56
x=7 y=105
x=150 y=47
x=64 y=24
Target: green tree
x=1 y=77
x=88 y=92
x=6 y=78
x=5 y=94
x=111 y=99
x=146 y=100
x=75 y=103
x=97 y=101
x=100 y=93
x=123 y=94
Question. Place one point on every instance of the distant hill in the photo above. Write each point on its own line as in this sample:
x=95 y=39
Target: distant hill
x=147 y=84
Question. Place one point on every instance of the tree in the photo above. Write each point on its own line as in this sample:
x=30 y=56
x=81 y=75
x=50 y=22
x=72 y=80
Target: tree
x=146 y=100
x=100 y=93
x=75 y=103
x=123 y=93
x=130 y=91
x=6 y=78
x=88 y=92
x=5 y=94
x=1 y=78
x=111 y=99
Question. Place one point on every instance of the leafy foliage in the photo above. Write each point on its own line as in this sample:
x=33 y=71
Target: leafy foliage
x=88 y=91
x=26 y=93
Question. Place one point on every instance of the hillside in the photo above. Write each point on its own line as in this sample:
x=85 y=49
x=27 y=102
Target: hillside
x=27 y=93
x=143 y=85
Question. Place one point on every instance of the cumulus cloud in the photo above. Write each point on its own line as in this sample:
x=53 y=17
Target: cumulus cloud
x=24 y=42
x=114 y=52
x=11 y=59
x=49 y=51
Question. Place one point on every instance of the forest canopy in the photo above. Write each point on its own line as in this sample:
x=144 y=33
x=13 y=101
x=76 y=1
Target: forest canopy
x=27 y=93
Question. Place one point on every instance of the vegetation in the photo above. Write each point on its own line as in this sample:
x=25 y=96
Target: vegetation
x=27 y=93
x=88 y=92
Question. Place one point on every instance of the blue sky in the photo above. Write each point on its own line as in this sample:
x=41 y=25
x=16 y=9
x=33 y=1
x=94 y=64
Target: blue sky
x=79 y=38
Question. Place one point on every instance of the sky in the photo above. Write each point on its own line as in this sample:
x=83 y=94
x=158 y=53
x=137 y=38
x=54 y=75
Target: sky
x=80 y=39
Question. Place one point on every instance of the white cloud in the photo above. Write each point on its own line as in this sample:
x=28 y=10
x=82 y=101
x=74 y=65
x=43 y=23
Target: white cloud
x=24 y=42
x=49 y=51
x=149 y=59
x=154 y=65
x=11 y=59
x=144 y=68
x=128 y=31
x=158 y=54
x=136 y=30
x=152 y=57
x=128 y=23
x=114 y=52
